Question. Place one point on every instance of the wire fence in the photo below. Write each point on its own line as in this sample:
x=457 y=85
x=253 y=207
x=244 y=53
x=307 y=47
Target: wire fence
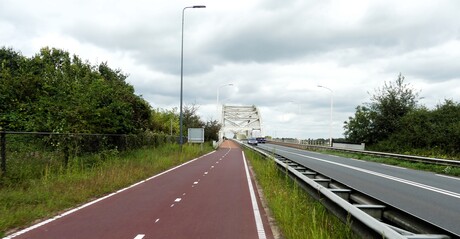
x=32 y=152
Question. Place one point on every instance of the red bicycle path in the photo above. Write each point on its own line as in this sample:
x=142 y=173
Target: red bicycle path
x=209 y=197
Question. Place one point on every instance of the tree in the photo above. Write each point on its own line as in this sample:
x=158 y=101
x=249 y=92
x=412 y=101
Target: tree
x=382 y=116
x=56 y=92
x=191 y=118
x=446 y=127
x=211 y=130
x=360 y=128
x=163 y=120
x=12 y=90
x=427 y=132
x=390 y=103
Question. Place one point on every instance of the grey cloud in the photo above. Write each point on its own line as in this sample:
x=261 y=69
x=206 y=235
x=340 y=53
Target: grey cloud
x=428 y=69
x=278 y=36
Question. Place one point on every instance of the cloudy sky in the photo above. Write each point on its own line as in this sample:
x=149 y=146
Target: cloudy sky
x=275 y=53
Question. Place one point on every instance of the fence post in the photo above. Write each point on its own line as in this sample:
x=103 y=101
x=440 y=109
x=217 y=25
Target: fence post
x=66 y=155
x=67 y=147
x=3 y=151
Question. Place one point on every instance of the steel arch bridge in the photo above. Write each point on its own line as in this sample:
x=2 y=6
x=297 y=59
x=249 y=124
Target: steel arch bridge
x=241 y=120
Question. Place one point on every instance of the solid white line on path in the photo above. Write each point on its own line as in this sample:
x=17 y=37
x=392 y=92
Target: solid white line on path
x=445 y=176
x=140 y=236
x=255 y=207
x=97 y=200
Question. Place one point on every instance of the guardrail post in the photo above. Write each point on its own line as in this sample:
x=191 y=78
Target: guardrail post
x=3 y=151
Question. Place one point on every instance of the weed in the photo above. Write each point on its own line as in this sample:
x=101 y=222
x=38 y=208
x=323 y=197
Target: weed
x=297 y=214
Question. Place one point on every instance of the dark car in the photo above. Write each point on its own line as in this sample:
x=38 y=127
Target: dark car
x=261 y=140
x=252 y=141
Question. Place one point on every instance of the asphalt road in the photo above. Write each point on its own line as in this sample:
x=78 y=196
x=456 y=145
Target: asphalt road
x=432 y=197
x=210 y=197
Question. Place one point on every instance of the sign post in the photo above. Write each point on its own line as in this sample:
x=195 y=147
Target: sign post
x=196 y=135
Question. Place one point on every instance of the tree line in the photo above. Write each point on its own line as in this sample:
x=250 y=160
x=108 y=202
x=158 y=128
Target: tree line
x=394 y=121
x=54 y=91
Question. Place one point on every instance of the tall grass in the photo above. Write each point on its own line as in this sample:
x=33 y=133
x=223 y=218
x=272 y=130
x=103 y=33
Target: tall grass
x=59 y=188
x=296 y=213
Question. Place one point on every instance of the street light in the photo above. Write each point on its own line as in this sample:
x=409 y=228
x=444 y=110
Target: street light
x=217 y=109
x=332 y=102
x=298 y=105
x=217 y=100
x=182 y=72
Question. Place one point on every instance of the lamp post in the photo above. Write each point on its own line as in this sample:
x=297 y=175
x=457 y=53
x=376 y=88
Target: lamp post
x=332 y=103
x=217 y=100
x=298 y=106
x=219 y=118
x=182 y=74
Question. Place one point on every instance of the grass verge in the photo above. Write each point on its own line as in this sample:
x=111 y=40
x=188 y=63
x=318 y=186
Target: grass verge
x=23 y=203
x=296 y=213
x=441 y=169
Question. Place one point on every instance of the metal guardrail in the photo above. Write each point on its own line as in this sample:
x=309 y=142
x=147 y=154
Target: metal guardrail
x=365 y=218
x=445 y=162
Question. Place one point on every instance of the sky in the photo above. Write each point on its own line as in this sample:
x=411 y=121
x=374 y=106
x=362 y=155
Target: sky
x=274 y=53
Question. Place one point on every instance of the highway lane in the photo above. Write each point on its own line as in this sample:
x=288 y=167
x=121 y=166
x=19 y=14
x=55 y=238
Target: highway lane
x=426 y=195
x=210 y=197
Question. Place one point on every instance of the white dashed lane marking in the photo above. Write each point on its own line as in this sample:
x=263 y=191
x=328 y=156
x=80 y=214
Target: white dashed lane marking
x=177 y=200
x=392 y=166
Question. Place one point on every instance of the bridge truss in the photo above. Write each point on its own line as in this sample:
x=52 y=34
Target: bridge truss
x=241 y=120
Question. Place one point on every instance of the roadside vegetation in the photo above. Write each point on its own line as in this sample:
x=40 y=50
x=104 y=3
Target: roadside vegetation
x=54 y=91
x=296 y=213
x=394 y=121
x=84 y=179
